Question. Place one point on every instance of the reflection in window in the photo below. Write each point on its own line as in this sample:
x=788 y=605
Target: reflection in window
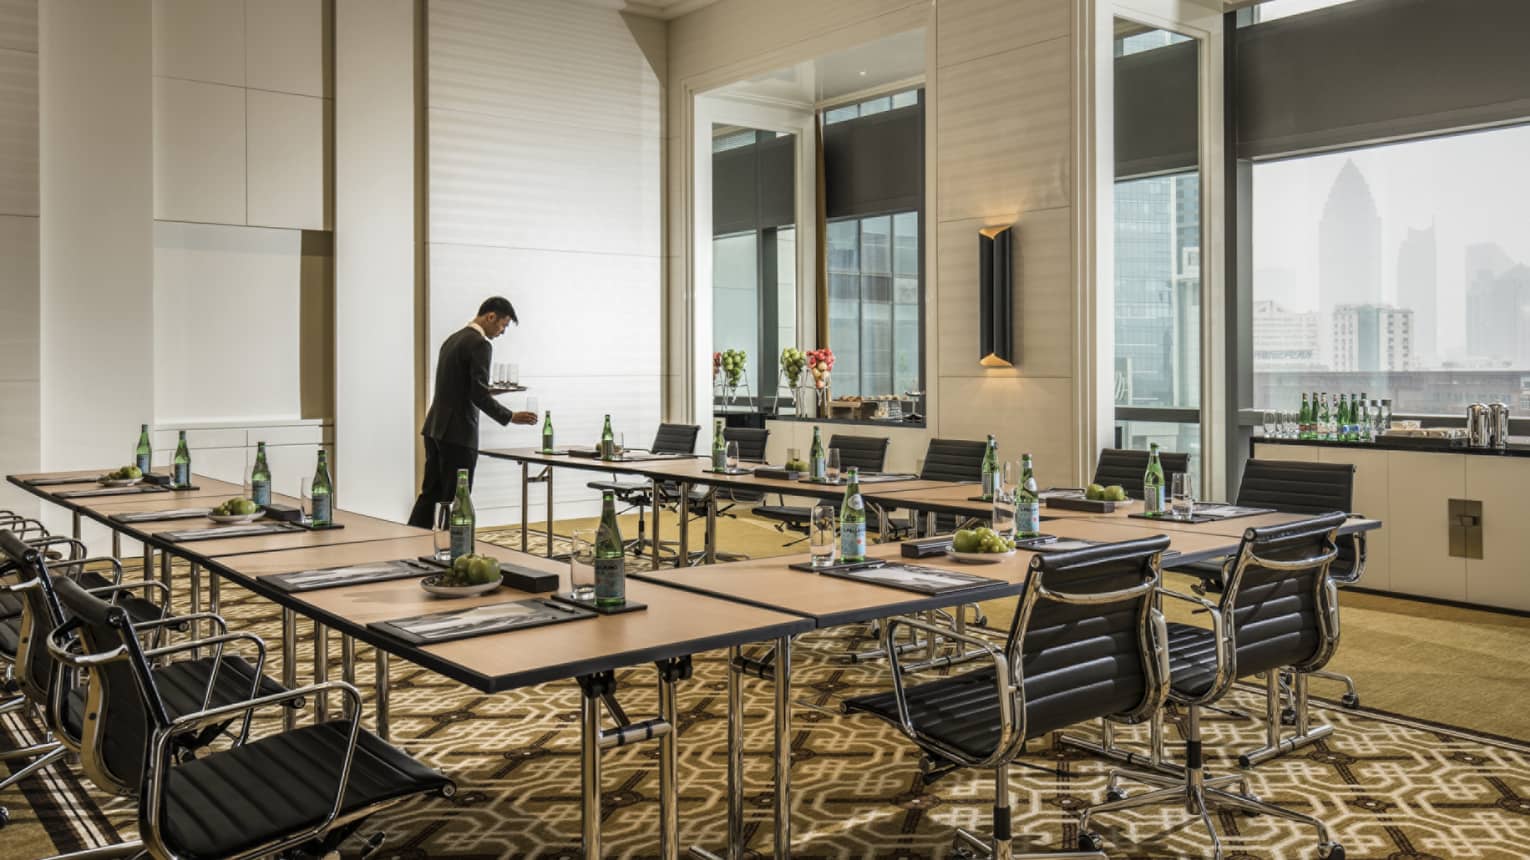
x=1158 y=291
x=736 y=298
x=874 y=303
x=880 y=104
x=1400 y=271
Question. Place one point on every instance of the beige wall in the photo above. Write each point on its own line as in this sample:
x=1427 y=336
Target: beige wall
x=1001 y=142
x=20 y=432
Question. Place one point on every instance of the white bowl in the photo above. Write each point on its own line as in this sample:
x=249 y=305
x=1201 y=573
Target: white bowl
x=236 y=519
x=118 y=482
x=979 y=557
x=432 y=585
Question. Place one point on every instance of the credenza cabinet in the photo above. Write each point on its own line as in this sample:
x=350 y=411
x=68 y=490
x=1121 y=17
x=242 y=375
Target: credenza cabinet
x=1411 y=492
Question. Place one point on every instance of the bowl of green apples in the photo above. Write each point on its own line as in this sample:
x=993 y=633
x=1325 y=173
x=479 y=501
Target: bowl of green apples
x=980 y=546
x=468 y=575
x=126 y=476
x=236 y=511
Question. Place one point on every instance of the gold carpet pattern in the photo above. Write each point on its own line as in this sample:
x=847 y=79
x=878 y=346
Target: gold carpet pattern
x=1390 y=789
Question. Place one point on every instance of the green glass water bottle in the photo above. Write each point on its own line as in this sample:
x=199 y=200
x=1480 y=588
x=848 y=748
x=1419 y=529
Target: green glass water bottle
x=1027 y=501
x=260 y=477
x=610 y=556
x=464 y=522
x=547 y=434
x=1152 y=484
x=719 y=448
x=607 y=442
x=818 y=464
x=852 y=520
x=180 y=472
x=323 y=493
x=145 y=453
x=990 y=469
x=1304 y=420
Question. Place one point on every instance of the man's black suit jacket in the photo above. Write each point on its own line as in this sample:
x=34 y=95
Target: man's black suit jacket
x=462 y=389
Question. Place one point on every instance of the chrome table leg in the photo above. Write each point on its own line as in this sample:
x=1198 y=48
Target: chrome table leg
x=148 y=561
x=164 y=575
x=320 y=671
x=380 y=685
x=589 y=770
x=711 y=555
x=525 y=499
x=348 y=668
x=683 y=558
x=75 y=521
x=289 y=661
x=195 y=592
x=783 y=682
x=548 y=474
x=669 y=800
x=116 y=544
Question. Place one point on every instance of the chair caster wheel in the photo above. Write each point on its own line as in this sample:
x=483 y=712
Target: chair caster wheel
x=1331 y=851
x=1350 y=700
x=5 y=816
x=1288 y=717
x=1114 y=794
x=1090 y=842
x=1249 y=813
x=372 y=843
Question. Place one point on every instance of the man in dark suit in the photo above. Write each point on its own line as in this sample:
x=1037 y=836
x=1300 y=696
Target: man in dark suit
x=462 y=389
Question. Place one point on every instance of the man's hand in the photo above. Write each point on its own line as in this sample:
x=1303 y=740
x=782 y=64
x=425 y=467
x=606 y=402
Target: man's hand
x=523 y=418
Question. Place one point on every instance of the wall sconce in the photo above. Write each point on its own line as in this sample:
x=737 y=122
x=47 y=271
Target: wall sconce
x=995 y=290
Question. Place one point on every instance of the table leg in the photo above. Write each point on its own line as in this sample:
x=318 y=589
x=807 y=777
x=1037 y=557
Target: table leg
x=164 y=575
x=669 y=802
x=684 y=557
x=380 y=685
x=214 y=603
x=735 y=847
x=525 y=500
x=548 y=473
x=75 y=521
x=148 y=562
x=783 y=683
x=289 y=661
x=195 y=591
x=116 y=544
x=884 y=529
x=589 y=770
x=653 y=494
x=320 y=671
x=711 y=554
x=348 y=668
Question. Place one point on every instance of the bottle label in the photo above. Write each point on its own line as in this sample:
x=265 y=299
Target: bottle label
x=462 y=540
x=143 y=463
x=260 y=492
x=547 y=442
x=820 y=469
x=1152 y=500
x=852 y=541
x=183 y=474
x=321 y=509
x=1028 y=518
x=610 y=579
x=607 y=449
x=719 y=459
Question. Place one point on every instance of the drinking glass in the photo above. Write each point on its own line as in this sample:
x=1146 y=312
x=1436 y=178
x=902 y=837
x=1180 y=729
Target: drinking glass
x=305 y=497
x=618 y=443
x=581 y=564
x=531 y=406
x=791 y=455
x=823 y=534
x=246 y=487
x=1182 y=496
x=441 y=531
x=1289 y=425
x=1005 y=497
x=831 y=465
x=732 y=454
x=1269 y=424
x=513 y=374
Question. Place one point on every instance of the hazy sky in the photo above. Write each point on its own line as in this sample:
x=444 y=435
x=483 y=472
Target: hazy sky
x=1472 y=187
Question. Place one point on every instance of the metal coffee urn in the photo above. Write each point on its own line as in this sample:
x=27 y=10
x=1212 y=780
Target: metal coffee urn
x=1498 y=425
x=1478 y=426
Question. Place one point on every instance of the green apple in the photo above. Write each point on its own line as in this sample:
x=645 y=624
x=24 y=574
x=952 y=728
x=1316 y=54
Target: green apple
x=1115 y=493
x=966 y=540
x=483 y=570
x=1094 y=492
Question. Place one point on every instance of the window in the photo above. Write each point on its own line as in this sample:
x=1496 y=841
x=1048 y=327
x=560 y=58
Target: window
x=874 y=303
x=880 y=104
x=1400 y=271
x=1285 y=8
x=1158 y=291
x=1170 y=436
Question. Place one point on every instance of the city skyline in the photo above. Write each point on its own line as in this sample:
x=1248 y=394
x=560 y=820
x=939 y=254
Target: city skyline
x=1432 y=200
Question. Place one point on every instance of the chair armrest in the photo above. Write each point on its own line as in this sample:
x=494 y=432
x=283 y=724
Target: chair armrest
x=128 y=587
x=79 y=562
x=217 y=643
x=77 y=549
x=1219 y=641
x=180 y=622
x=153 y=793
x=1009 y=733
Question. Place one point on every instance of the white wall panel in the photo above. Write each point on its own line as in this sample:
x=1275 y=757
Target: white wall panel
x=18 y=132
x=287 y=160
x=375 y=357
x=96 y=242
x=289 y=45
x=521 y=184
x=19 y=301
x=228 y=299
x=199 y=152
x=200 y=40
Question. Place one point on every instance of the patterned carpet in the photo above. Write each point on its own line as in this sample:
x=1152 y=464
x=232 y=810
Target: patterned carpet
x=1390 y=789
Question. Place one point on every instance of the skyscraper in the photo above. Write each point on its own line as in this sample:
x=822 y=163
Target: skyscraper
x=1497 y=306
x=1416 y=285
x=1349 y=243
x=1370 y=338
x=1158 y=290
x=1284 y=340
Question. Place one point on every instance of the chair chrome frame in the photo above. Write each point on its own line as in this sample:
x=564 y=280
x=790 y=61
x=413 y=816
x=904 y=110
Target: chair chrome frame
x=1193 y=788
x=1009 y=678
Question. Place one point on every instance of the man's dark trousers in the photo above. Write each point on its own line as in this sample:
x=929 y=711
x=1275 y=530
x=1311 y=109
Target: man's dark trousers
x=442 y=460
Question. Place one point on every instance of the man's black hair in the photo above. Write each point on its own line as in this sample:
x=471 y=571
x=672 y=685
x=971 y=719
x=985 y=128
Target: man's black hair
x=499 y=306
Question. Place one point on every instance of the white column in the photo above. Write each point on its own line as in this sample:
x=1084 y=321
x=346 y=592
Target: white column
x=96 y=247
x=376 y=362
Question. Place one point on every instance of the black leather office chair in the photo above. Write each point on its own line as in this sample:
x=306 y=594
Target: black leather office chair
x=945 y=460
x=1279 y=609
x=1087 y=641
x=308 y=788
x=1125 y=468
x=866 y=453
x=638 y=495
x=751 y=449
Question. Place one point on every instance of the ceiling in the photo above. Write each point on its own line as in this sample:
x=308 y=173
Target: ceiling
x=670 y=9
x=868 y=67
